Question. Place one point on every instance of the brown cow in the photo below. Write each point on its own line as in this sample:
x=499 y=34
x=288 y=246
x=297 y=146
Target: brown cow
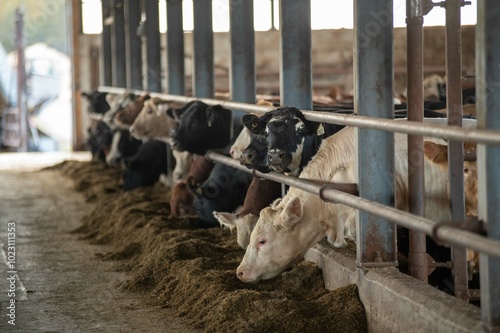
x=181 y=201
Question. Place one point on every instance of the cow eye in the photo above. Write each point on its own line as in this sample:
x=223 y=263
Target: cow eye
x=262 y=242
x=149 y=111
x=466 y=171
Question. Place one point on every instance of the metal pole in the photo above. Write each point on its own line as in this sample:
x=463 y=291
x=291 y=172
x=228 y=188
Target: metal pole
x=21 y=81
x=118 y=44
x=295 y=53
x=107 y=66
x=242 y=72
x=397 y=126
x=455 y=148
x=203 y=49
x=74 y=16
x=373 y=72
x=133 y=10
x=417 y=256
x=153 y=48
x=488 y=102
x=175 y=48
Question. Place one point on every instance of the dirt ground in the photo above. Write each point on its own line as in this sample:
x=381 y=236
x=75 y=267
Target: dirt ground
x=181 y=271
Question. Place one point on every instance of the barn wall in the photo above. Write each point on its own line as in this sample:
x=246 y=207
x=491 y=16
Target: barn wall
x=332 y=55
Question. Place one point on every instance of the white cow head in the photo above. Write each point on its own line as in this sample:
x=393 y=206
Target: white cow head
x=242 y=142
x=243 y=224
x=279 y=239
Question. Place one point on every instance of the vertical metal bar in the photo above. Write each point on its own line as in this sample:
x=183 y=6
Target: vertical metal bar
x=21 y=81
x=175 y=48
x=118 y=44
x=373 y=74
x=455 y=148
x=153 y=45
x=74 y=12
x=242 y=72
x=295 y=53
x=133 y=11
x=107 y=77
x=417 y=256
x=488 y=102
x=203 y=49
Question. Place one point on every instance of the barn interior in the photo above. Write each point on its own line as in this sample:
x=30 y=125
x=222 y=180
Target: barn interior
x=83 y=254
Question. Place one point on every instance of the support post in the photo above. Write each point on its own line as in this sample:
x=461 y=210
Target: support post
x=203 y=49
x=488 y=102
x=373 y=66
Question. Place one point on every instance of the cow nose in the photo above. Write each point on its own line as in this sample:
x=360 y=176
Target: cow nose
x=275 y=156
x=240 y=274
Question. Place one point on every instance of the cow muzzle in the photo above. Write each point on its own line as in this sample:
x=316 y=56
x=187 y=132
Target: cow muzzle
x=275 y=156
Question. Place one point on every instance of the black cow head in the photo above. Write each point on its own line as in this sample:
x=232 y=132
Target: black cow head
x=97 y=102
x=223 y=191
x=286 y=132
x=145 y=167
x=254 y=156
x=200 y=127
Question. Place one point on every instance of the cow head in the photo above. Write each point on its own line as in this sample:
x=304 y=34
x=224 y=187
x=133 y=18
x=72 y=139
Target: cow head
x=224 y=190
x=276 y=242
x=200 y=127
x=254 y=156
x=97 y=102
x=286 y=132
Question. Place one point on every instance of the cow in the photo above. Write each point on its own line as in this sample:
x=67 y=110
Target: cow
x=438 y=154
x=244 y=138
x=181 y=200
x=201 y=127
x=224 y=190
x=99 y=135
x=117 y=102
x=260 y=194
x=123 y=146
x=145 y=167
x=292 y=225
x=152 y=121
x=126 y=116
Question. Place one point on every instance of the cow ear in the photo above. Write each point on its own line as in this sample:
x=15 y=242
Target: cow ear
x=276 y=203
x=292 y=213
x=226 y=219
x=436 y=153
x=254 y=123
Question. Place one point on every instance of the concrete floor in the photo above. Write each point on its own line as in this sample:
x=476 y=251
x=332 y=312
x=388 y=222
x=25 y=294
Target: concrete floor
x=60 y=285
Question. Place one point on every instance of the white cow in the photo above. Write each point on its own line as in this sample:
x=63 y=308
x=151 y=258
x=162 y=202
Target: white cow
x=152 y=122
x=292 y=225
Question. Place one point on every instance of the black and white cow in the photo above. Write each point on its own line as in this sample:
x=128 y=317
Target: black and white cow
x=200 y=127
x=124 y=145
x=145 y=167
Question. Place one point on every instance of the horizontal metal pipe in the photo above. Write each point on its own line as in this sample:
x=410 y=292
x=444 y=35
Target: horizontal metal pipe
x=451 y=235
x=407 y=127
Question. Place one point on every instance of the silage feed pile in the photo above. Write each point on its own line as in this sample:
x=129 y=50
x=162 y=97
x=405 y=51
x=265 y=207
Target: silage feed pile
x=192 y=269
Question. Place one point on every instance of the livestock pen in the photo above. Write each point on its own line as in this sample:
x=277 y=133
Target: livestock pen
x=393 y=301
